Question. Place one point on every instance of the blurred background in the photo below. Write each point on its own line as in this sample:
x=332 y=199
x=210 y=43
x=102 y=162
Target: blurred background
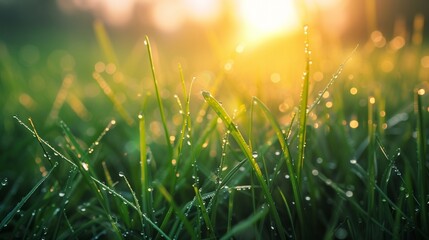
x=85 y=62
x=50 y=49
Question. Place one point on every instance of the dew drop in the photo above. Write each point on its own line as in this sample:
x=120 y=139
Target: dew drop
x=121 y=174
x=61 y=194
x=255 y=154
x=341 y=233
x=4 y=182
x=353 y=161
x=349 y=193
x=287 y=176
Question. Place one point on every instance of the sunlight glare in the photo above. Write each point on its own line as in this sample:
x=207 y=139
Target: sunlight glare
x=205 y=11
x=262 y=19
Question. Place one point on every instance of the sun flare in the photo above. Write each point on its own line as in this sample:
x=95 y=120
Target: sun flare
x=262 y=19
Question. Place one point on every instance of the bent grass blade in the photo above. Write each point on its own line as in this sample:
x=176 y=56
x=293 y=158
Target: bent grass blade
x=236 y=134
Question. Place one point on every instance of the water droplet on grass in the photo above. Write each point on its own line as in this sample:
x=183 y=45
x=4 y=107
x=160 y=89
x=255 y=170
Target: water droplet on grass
x=341 y=233
x=61 y=194
x=121 y=174
x=315 y=172
x=349 y=193
x=4 y=182
x=353 y=161
x=255 y=154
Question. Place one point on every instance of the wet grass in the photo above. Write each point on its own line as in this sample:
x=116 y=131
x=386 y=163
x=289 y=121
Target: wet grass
x=189 y=168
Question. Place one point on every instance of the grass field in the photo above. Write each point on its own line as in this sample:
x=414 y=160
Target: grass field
x=116 y=152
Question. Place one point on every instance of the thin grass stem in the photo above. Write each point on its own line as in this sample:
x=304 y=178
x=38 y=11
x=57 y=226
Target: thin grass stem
x=158 y=98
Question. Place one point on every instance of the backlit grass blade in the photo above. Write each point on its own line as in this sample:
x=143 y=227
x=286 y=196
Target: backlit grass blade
x=196 y=150
x=112 y=96
x=236 y=134
x=144 y=172
x=56 y=152
x=45 y=153
x=371 y=164
x=422 y=170
x=12 y=213
x=247 y=223
x=302 y=123
x=158 y=98
x=61 y=97
x=332 y=80
x=104 y=41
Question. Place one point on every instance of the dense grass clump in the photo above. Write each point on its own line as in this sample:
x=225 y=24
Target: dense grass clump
x=348 y=161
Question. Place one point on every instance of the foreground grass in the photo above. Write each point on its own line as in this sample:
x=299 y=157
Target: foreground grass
x=214 y=174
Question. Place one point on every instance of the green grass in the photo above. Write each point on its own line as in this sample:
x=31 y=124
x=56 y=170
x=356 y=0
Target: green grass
x=193 y=169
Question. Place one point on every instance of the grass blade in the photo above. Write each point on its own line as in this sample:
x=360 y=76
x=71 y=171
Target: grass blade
x=289 y=213
x=158 y=98
x=12 y=213
x=230 y=125
x=178 y=211
x=285 y=149
x=123 y=210
x=421 y=159
x=104 y=41
x=245 y=224
x=371 y=164
x=209 y=226
x=81 y=161
x=111 y=95
x=144 y=172
x=303 y=110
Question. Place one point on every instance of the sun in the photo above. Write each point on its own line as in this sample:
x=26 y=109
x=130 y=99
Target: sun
x=265 y=18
